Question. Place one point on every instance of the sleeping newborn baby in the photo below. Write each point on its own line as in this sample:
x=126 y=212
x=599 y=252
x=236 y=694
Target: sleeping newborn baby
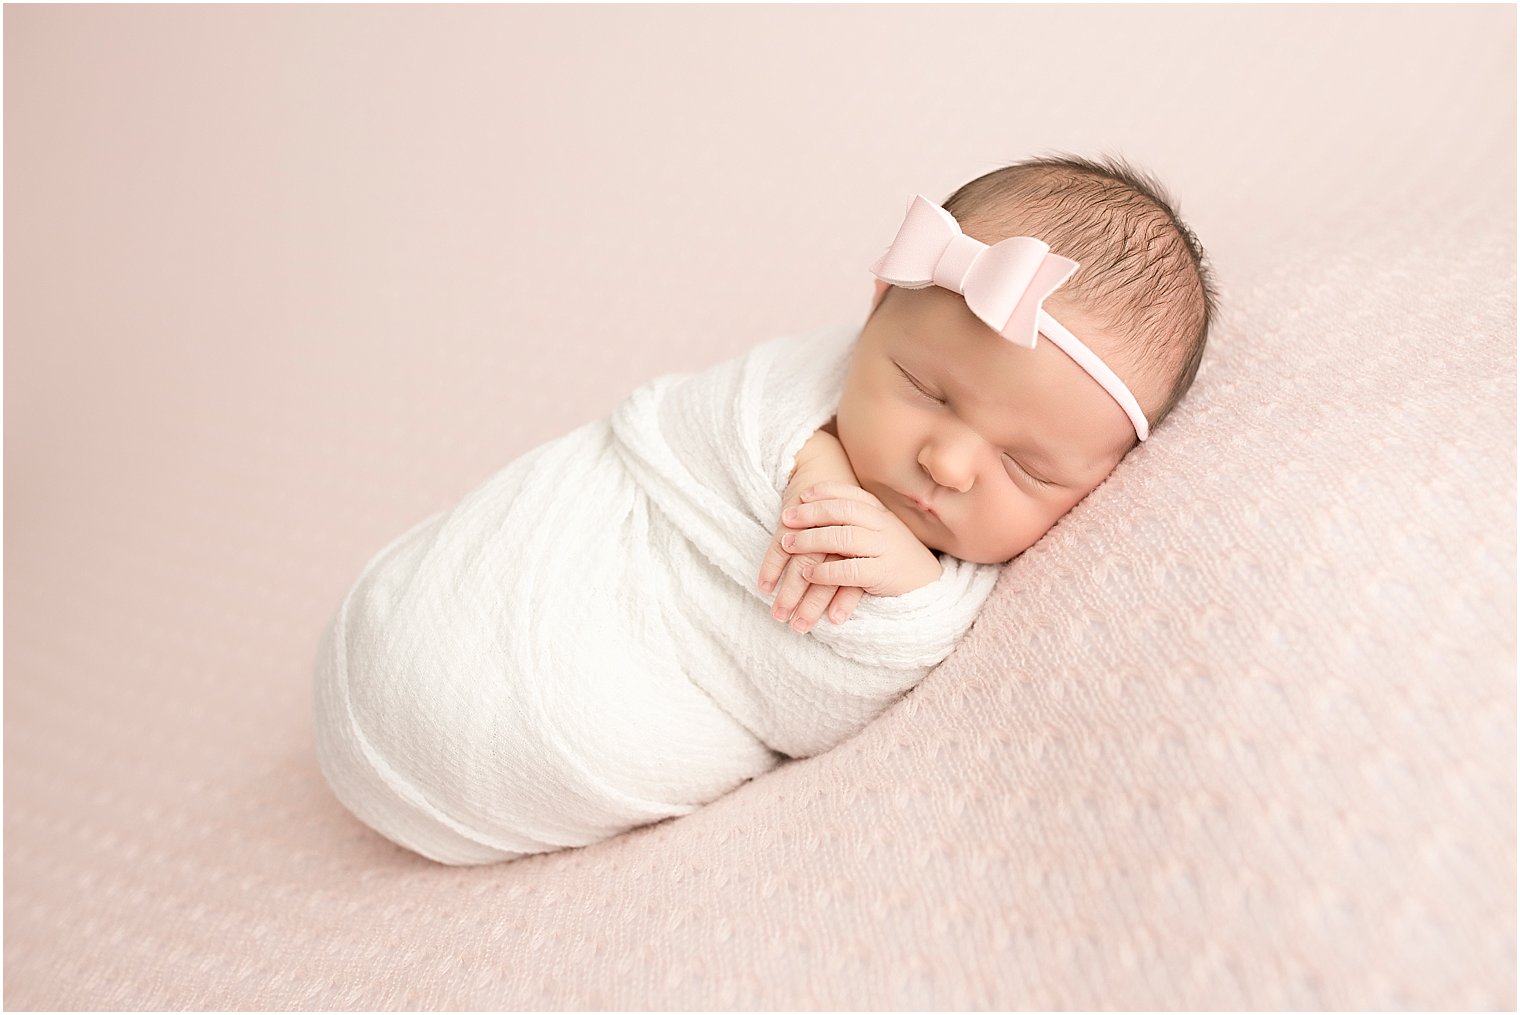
x=580 y=646
x=950 y=440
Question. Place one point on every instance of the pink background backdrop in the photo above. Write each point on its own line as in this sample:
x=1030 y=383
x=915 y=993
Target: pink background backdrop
x=280 y=281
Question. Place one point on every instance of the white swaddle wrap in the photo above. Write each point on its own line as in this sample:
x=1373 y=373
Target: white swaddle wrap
x=579 y=647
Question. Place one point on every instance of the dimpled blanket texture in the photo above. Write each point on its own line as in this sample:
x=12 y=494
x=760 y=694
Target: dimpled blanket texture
x=579 y=646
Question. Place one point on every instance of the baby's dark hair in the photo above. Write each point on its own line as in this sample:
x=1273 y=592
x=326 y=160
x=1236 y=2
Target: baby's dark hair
x=1143 y=274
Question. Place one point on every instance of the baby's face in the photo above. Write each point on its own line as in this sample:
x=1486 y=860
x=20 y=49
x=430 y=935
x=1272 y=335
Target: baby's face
x=992 y=411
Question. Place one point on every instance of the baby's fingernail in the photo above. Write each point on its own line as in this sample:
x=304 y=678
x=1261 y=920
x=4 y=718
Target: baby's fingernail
x=766 y=586
x=790 y=514
x=800 y=625
x=807 y=572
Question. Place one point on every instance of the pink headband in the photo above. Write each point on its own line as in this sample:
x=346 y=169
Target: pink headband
x=1003 y=284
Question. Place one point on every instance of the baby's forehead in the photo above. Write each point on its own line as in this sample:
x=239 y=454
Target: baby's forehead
x=985 y=366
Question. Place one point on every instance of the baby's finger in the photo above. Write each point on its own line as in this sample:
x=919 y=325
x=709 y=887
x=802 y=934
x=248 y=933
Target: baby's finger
x=812 y=514
x=845 y=540
x=853 y=571
x=836 y=488
x=792 y=585
x=845 y=600
x=813 y=603
x=776 y=557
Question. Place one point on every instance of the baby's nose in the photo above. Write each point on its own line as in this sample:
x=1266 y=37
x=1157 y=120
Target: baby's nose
x=950 y=468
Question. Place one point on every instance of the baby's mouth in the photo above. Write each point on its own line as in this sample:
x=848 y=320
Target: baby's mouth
x=922 y=507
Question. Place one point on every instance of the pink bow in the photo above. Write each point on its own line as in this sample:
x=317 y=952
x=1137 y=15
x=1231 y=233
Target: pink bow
x=1003 y=284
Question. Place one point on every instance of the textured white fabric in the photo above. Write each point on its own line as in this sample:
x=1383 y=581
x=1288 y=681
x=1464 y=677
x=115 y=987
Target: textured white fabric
x=579 y=646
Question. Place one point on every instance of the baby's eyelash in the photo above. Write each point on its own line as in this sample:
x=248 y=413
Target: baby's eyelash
x=916 y=388
x=1031 y=476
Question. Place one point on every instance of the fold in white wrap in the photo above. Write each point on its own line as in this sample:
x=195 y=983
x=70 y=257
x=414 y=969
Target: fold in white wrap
x=579 y=647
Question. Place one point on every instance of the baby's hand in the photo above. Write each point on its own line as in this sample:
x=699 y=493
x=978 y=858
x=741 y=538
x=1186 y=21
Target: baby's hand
x=796 y=599
x=867 y=546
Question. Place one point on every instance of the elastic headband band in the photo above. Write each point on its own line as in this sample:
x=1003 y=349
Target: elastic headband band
x=1003 y=285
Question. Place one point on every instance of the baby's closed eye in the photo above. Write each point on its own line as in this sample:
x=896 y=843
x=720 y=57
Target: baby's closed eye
x=925 y=393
